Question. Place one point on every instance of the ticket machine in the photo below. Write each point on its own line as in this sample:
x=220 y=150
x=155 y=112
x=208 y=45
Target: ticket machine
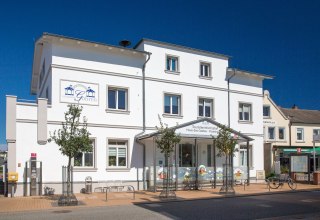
x=33 y=170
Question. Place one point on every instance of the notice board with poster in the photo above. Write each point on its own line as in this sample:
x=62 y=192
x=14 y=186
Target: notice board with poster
x=260 y=175
x=299 y=163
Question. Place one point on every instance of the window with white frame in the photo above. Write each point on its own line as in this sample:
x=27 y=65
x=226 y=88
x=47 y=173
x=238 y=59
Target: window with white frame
x=172 y=104
x=245 y=113
x=85 y=159
x=271 y=133
x=117 y=153
x=117 y=98
x=300 y=134
x=205 y=107
x=266 y=111
x=205 y=69
x=281 y=133
x=243 y=156
x=172 y=63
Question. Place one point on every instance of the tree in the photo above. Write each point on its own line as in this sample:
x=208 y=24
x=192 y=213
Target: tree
x=226 y=146
x=73 y=138
x=166 y=140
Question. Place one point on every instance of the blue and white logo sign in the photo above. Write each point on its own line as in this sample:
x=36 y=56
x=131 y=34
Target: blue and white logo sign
x=79 y=92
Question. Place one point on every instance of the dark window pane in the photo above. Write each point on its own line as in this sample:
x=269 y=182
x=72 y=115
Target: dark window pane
x=112 y=99
x=121 y=99
x=200 y=110
x=208 y=113
x=168 y=63
x=78 y=160
x=173 y=64
x=246 y=116
x=167 y=104
x=175 y=105
x=88 y=158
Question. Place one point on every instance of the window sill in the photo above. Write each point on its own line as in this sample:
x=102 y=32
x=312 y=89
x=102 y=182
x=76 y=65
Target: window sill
x=266 y=117
x=172 y=116
x=300 y=141
x=205 y=77
x=117 y=169
x=85 y=169
x=172 y=72
x=116 y=111
x=245 y=122
x=199 y=117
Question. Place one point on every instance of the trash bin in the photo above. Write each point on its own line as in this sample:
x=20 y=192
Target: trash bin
x=316 y=178
x=88 y=184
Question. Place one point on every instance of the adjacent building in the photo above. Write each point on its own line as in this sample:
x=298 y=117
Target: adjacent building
x=289 y=131
x=123 y=92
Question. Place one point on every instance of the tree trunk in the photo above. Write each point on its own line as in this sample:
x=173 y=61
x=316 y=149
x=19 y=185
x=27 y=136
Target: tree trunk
x=68 y=177
x=167 y=175
x=226 y=174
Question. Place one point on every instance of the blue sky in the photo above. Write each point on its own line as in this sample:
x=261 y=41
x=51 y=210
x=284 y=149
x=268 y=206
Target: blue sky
x=276 y=37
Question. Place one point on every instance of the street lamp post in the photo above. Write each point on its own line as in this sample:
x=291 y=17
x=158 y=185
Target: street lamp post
x=316 y=138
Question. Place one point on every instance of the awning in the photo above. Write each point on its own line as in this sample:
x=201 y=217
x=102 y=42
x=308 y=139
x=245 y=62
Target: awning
x=303 y=150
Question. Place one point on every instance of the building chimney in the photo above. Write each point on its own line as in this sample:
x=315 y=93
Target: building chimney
x=124 y=43
x=295 y=106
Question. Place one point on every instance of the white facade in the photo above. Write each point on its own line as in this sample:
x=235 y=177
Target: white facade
x=110 y=72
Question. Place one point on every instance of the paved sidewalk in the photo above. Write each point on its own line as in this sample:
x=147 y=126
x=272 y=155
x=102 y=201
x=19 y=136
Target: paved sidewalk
x=114 y=199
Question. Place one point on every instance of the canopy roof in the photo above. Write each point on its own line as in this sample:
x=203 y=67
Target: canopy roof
x=201 y=128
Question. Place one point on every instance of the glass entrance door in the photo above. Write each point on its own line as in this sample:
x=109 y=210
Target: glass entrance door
x=186 y=155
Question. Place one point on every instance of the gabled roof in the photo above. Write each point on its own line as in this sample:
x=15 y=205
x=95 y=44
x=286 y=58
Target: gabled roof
x=183 y=48
x=302 y=115
x=239 y=135
x=267 y=94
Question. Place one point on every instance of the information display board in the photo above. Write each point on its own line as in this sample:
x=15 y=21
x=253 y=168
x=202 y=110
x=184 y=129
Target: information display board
x=299 y=163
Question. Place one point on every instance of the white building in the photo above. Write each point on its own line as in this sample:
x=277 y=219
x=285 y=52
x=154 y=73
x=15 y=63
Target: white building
x=122 y=92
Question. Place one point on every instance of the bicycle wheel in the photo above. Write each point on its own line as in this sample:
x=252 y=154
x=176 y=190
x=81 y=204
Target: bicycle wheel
x=274 y=182
x=292 y=184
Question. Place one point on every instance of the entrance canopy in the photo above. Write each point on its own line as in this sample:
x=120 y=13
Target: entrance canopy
x=204 y=128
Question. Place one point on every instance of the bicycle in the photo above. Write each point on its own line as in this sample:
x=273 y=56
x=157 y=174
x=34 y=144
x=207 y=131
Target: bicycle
x=277 y=181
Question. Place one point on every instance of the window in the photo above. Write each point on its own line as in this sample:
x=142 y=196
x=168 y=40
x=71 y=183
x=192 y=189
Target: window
x=85 y=159
x=172 y=64
x=117 y=153
x=244 y=112
x=271 y=131
x=300 y=134
x=316 y=132
x=117 y=98
x=205 y=107
x=172 y=104
x=243 y=156
x=205 y=69
x=281 y=133
x=266 y=111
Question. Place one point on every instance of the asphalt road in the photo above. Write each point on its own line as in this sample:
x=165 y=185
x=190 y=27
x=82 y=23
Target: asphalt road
x=299 y=205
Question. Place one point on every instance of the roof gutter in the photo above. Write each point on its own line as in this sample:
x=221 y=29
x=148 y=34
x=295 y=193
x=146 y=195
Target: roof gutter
x=143 y=121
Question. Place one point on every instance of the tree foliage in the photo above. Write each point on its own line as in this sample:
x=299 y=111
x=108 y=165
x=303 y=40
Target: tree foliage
x=73 y=138
x=167 y=139
x=225 y=143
